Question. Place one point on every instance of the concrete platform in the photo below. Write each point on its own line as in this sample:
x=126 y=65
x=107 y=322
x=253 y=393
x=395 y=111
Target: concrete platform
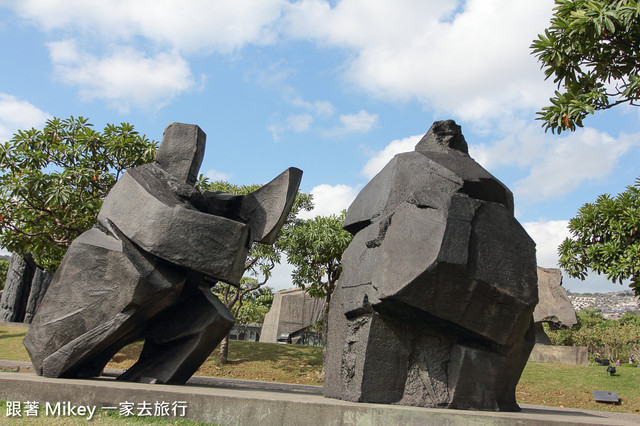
x=232 y=402
x=572 y=355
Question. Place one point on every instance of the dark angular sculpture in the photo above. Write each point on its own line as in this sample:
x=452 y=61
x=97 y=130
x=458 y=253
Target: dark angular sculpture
x=145 y=270
x=26 y=284
x=434 y=305
x=14 y=300
x=554 y=306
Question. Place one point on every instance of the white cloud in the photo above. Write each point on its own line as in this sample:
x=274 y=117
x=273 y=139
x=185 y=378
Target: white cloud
x=475 y=63
x=299 y=122
x=470 y=59
x=381 y=158
x=548 y=235
x=280 y=278
x=556 y=165
x=330 y=199
x=184 y=25
x=125 y=78
x=296 y=122
x=360 y=122
x=215 y=175
x=17 y=114
x=581 y=156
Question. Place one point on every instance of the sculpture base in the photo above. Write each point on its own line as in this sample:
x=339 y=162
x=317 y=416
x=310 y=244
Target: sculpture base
x=254 y=405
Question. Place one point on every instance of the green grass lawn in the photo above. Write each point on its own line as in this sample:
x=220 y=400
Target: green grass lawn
x=541 y=383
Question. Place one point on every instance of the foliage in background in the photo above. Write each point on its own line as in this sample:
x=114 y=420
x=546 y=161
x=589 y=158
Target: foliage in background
x=605 y=239
x=314 y=248
x=4 y=267
x=262 y=258
x=53 y=181
x=611 y=339
x=255 y=306
x=591 y=48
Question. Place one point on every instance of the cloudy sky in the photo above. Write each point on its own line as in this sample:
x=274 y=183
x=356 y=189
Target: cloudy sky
x=334 y=87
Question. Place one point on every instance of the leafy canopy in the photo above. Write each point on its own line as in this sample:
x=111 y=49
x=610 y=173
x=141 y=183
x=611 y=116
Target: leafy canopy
x=53 y=182
x=591 y=48
x=314 y=248
x=4 y=268
x=605 y=239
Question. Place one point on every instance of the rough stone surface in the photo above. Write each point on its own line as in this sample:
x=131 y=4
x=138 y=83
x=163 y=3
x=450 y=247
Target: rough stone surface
x=434 y=305
x=39 y=285
x=16 y=289
x=554 y=306
x=144 y=271
x=28 y=284
x=291 y=311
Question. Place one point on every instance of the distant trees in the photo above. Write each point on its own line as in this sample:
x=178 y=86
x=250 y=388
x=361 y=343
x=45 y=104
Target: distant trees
x=255 y=305
x=611 y=339
x=4 y=268
x=314 y=247
x=53 y=181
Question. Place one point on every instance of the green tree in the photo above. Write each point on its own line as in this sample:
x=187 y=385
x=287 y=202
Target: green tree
x=4 y=267
x=611 y=339
x=262 y=258
x=591 y=48
x=605 y=239
x=314 y=248
x=254 y=307
x=53 y=181
x=630 y=318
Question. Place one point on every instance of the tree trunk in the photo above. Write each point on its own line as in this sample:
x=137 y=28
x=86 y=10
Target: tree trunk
x=224 y=351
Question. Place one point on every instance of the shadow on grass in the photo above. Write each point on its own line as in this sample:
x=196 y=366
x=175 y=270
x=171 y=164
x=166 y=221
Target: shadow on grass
x=271 y=352
x=10 y=336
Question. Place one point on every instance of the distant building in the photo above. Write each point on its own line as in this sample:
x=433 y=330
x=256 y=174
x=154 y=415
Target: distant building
x=248 y=333
x=613 y=305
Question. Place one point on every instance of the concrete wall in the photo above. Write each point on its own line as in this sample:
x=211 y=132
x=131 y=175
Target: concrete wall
x=292 y=310
x=573 y=355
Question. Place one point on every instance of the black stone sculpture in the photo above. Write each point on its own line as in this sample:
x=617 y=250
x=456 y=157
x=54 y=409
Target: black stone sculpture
x=145 y=270
x=25 y=286
x=434 y=305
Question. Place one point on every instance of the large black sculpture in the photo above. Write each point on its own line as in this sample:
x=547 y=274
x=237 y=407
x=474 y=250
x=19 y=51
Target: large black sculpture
x=434 y=305
x=145 y=270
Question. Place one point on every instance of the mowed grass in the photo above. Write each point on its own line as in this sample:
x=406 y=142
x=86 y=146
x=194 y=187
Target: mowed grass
x=267 y=362
x=541 y=383
x=572 y=386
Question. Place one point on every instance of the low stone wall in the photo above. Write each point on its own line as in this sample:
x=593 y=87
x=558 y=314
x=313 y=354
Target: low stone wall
x=573 y=355
x=253 y=405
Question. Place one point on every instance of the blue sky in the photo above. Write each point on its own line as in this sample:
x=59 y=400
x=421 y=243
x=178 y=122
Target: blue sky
x=335 y=88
